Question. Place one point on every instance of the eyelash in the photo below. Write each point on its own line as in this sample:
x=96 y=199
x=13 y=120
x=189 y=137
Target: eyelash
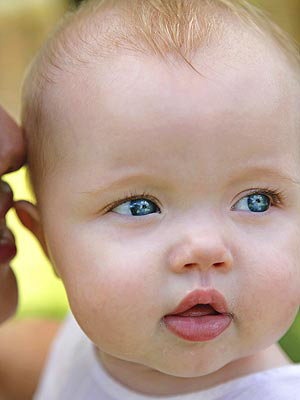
x=278 y=198
x=131 y=196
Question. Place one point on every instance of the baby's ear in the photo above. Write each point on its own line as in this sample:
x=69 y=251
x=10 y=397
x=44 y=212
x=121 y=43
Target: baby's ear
x=30 y=218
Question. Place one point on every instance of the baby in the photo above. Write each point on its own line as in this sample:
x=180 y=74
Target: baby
x=164 y=152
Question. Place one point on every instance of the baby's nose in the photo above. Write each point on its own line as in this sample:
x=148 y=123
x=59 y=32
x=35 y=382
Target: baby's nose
x=200 y=251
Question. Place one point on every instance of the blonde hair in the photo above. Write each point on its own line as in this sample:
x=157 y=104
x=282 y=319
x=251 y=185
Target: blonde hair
x=99 y=28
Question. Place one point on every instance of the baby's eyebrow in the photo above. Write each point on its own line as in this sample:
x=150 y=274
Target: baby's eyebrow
x=267 y=171
x=252 y=172
x=126 y=180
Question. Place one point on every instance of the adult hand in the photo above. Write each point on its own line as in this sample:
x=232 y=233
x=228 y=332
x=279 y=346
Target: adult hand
x=12 y=157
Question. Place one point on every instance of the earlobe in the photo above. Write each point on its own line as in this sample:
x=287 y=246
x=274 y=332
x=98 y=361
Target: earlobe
x=29 y=217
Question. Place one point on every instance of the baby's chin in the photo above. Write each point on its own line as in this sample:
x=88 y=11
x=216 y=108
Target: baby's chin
x=191 y=363
x=192 y=369
x=164 y=378
x=196 y=360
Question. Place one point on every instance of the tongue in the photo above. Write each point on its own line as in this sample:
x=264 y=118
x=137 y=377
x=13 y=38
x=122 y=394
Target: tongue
x=198 y=311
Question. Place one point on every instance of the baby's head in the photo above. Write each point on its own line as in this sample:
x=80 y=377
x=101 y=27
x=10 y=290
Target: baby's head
x=163 y=148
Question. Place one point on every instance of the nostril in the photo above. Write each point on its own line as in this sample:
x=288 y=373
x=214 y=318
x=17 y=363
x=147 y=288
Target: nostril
x=219 y=264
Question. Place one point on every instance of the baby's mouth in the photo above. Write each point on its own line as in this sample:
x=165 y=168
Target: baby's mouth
x=198 y=323
x=200 y=316
x=199 y=310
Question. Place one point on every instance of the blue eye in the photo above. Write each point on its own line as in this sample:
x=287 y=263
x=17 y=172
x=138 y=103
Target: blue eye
x=136 y=207
x=255 y=202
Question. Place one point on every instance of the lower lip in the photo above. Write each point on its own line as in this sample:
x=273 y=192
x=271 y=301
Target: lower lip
x=198 y=329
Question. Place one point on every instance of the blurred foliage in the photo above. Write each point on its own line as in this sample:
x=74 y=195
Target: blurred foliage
x=76 y=2
x=291 y=341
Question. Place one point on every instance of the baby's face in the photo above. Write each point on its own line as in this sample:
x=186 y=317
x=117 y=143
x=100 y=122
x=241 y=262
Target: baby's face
x=192 y=151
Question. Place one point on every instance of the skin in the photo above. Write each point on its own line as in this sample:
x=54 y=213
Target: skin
x=197 y=145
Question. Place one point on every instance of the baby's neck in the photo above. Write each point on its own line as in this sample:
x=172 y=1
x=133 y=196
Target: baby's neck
x=148 y=381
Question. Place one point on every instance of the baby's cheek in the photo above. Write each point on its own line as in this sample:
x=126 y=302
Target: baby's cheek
x=287 y=265
x=115 y=300
x=269 y=306
x=286 y=290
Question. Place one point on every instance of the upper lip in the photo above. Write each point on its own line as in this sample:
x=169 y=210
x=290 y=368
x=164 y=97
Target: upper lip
x=202 y=296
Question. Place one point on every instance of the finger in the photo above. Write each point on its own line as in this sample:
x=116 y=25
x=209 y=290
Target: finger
x=8 y=293
x=12 y=144
x=6 y=198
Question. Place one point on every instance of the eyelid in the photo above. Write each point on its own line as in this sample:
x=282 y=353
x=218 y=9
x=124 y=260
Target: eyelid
x=129 y=196
x=278 y=197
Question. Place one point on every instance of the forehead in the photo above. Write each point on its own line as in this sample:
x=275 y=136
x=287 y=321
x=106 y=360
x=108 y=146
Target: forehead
x=131 y=109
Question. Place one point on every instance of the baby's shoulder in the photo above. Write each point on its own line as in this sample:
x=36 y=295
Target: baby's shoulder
x=70 y=365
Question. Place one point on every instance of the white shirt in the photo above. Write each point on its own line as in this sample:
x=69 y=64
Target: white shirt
x=73 y=372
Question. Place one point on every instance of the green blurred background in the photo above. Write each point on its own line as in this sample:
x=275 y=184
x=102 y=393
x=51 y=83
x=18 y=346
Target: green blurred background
x=24 y=25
